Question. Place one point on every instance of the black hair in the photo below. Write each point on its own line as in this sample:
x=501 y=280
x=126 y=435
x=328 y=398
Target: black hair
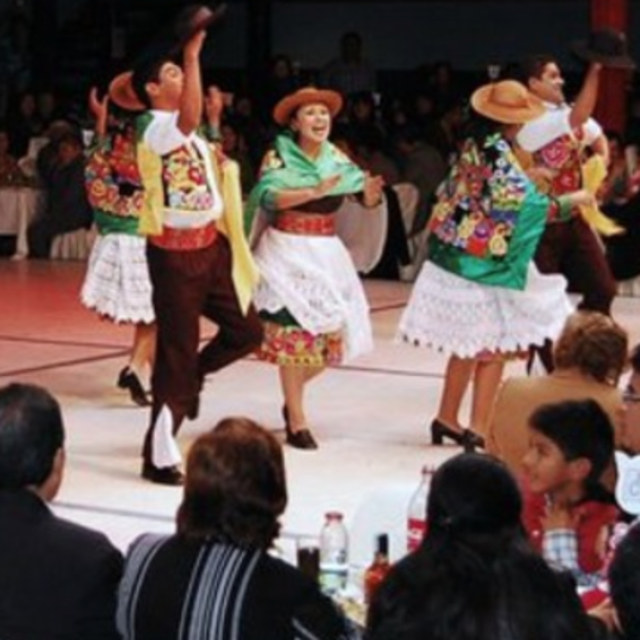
x=147 y=71
x=533 y=67
x=580 y=429
x=31 y=432
x=475 y=576
x=624 y=583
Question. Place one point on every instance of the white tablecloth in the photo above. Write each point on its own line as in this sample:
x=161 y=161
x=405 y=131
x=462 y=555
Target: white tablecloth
x=18 y=206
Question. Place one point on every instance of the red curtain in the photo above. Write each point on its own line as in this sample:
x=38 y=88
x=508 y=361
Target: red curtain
x=611 y=111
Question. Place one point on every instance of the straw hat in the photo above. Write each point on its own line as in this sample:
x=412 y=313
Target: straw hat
x=121 y=92
x=607 y=46
x=507 y=101
x=283 y=111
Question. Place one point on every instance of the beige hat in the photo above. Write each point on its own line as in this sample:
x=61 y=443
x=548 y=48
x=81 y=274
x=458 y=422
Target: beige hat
x=507 y=101
x=283 y=111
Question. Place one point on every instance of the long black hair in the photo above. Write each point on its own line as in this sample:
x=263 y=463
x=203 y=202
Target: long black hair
x=475 y=576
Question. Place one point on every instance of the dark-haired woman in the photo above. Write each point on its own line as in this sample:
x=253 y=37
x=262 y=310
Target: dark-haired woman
x=214 y=578
x=475 y=577
x=311 y=302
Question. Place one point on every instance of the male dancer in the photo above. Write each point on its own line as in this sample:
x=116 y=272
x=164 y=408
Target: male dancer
x=557 y=140
x=199 y=260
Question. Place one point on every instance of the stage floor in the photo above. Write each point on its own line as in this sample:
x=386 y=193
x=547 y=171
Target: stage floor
x=370 y=418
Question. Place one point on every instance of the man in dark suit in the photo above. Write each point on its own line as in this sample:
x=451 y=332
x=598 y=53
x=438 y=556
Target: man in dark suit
x=58 y=580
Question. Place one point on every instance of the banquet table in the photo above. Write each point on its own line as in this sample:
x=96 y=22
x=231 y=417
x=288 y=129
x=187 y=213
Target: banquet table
x=18 y=206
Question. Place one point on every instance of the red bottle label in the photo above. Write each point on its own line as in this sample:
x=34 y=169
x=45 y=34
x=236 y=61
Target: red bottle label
x=416 y=529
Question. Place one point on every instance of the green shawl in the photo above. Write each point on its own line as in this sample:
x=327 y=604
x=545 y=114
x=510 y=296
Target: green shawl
x=287 y=167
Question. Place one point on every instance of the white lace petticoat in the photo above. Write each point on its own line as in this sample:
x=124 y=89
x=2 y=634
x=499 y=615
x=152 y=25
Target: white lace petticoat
x=117 y=283
x=465 y=318
x=313 y=277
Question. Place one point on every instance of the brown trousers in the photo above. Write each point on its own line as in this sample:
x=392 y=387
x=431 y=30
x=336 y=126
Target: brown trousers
x=186 y=286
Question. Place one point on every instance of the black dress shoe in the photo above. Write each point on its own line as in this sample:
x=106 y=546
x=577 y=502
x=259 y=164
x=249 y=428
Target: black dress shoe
x=171 y=476
x=129 y=380
x=300 y=439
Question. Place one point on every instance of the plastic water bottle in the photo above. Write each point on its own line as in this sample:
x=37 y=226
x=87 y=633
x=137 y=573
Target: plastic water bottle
x=417 y=510
x=334 y=543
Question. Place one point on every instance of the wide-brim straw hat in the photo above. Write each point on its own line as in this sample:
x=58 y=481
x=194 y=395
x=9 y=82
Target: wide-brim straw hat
x=194 y=18
x=606 y=46
x=283 y=111
x=122 y=93
x=507 y=101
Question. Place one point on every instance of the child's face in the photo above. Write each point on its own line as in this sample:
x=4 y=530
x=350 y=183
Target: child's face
x=168 y=88
x=545 y=466
x=631 y=415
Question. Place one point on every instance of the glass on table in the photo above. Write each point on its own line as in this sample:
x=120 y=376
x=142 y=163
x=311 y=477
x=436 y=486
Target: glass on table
x=308 y=556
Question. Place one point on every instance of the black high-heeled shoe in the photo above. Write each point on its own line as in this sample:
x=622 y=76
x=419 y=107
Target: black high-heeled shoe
x=440 y=431
x=469 y=440
x=129 y=380
x=301 y=439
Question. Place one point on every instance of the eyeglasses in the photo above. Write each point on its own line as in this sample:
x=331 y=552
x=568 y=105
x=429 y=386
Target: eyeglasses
x=630 y=396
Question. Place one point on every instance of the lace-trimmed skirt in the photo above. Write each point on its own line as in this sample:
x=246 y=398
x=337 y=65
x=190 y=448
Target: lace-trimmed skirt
x=468 y=319
x=117 y=284
x=314 y=280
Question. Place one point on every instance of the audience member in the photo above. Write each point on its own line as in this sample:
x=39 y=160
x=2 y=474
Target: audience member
x=422 y=165
x=24 y=123
x=475 y=576
x=9 y=171
x=351 y=72
x=57 y=579
x=215 y=577
x=589 y=357
x=624 y=585
x=567 y=509
x=67 y=208
x=630 y=414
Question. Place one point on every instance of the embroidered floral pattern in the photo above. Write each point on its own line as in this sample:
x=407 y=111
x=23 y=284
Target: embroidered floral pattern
x=185 y=181
x=478 y=204
x=112 y=178
x=292 y=345
x=562 y=155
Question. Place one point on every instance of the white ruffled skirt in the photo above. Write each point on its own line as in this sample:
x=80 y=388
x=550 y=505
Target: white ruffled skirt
x=117 y=283
x=465 y=318
x=314 y=278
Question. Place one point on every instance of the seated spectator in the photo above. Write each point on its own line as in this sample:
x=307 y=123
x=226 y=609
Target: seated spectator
x=234 y=146
x=67 y=207
x=57 y=579
x=567 y=509
x=215 y=577
x=589 y=355
x=422 y=165
x=624 y=585
x=475 y=577
x=9 y=171
x=630 y=419
x=620 y=200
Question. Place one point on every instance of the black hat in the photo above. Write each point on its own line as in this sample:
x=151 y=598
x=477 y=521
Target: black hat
x=607 y=46
x=165 y=46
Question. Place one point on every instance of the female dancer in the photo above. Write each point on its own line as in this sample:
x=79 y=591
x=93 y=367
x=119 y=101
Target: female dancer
x=117 y=283
x=479 y=297
x=313 y=306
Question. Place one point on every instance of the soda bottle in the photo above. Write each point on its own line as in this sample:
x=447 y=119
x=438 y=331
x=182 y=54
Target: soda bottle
x=378 y=569
x=417 y=511
x=334 y=543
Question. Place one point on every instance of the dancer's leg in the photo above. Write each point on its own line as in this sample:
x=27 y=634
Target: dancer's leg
x=292 y=380
x=144 y=348
x=456 y=380
x=485 y=386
